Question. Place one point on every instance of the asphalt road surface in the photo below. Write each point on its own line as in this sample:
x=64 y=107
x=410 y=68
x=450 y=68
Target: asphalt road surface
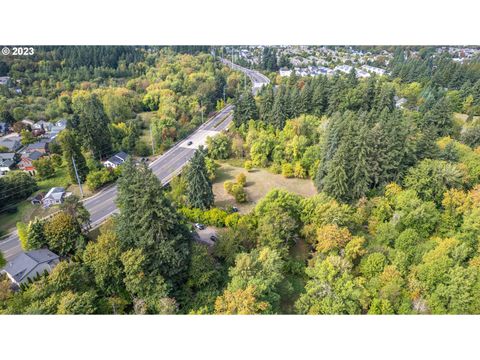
x=102 y=205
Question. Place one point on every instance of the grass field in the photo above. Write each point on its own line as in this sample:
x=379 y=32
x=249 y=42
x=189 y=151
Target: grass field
x=259 y=183
x=26 y=211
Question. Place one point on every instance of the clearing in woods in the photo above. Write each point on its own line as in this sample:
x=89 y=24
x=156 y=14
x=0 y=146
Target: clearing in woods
x=259 y=183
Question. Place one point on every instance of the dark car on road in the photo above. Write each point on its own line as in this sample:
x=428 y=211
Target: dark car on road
x=213 y=238
x=189 y=143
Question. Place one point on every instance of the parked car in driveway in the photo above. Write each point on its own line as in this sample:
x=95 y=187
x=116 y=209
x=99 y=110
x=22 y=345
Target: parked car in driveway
x=199 y=226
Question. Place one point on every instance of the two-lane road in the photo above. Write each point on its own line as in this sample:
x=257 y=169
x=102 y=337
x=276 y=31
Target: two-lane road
x=102 y=205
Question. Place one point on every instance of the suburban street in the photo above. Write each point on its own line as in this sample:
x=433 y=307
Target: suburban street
x=165 y=167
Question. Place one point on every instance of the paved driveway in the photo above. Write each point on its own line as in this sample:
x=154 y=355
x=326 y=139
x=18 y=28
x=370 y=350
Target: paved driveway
x=204 y=235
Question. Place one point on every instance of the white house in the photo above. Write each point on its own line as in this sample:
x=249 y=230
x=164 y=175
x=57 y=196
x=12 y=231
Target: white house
x=4 y=80
x=362 y=73
x=284 y=72
x=30 y=264
x=374 y=69
x=54 y=196
x=344 y=68
x=116 y=160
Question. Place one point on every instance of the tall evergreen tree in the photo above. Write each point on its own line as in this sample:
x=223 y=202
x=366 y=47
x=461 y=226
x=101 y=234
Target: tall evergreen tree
x=278 y=110
x=369 y=94
x=267 y=99
x=294 y=105
x=149 y=222
x=91 y=123
x=440 y=118
x=385 y=99
x=361 y=172
x=320 y=97
x=336 y=181
x=245 y=108
x=72 y=152
x=199 y=187
x=336 y=96
x=305 y=106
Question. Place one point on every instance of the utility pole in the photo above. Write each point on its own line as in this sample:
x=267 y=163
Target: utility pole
x=76 y=174
x=151 y=137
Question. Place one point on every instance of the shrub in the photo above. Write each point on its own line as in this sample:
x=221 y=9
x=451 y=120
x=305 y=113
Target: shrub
x=22 y=230
x=241 y=179
x=215 y=217
x=287 y=170
x=232 y=220
x=142 y=149
x=98 y=178
x=239 y=193
x=227 y=185
x=56 y=160
x=248 y=165
x=299 y=171
x=276 y=168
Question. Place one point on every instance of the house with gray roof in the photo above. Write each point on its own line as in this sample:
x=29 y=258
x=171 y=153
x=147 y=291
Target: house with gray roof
x=41 y=146
x=7 y=162
x=42 y=125
x=116 y=160
x=12 y=144
x=54 y=196
x=30 y=264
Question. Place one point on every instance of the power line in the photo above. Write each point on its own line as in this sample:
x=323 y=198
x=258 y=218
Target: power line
x=76 y=174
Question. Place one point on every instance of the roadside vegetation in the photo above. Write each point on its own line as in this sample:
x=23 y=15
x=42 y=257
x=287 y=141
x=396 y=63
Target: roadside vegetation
x=349 y=204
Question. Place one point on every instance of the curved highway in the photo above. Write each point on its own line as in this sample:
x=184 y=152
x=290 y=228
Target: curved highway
x=102 y=205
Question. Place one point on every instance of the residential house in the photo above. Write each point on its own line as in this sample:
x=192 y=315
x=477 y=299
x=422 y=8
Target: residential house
x=38 y=199
x=7 y=162
x=56 y=128
x=400 y=102
x=11 y=143
x=40 y=146
x=344 y=68
x=116 y=160
x=4 y=80
x=374 y=69
x=26 y=161
x=54 y=196
x=362 y=73
x=30 y=264
x=3 y=128
x=45 y=125
x=285 y=72
x=38 y=132
x=28 y=122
